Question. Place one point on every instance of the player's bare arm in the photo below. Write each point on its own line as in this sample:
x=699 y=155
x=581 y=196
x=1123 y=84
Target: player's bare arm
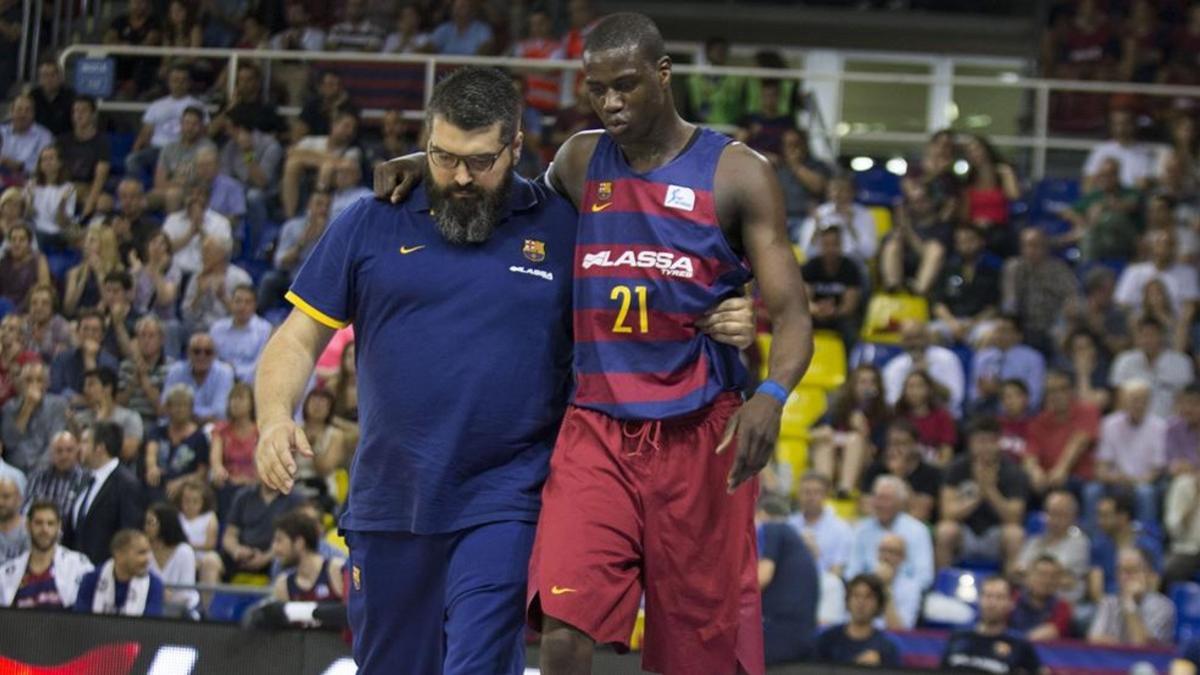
x=283 y=371
x=750 y=207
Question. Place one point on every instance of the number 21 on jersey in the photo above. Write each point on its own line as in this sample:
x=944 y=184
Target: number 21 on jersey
x=628 y=296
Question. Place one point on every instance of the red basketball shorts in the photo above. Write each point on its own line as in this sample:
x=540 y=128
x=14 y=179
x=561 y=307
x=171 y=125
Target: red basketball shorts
x=642 y=507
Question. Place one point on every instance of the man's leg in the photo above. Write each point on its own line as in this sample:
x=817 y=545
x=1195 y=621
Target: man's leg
x=703 y=612
x=397 y=601
x=1147 y=502
x=584 y=574
x=947 y=538
x=485 y=599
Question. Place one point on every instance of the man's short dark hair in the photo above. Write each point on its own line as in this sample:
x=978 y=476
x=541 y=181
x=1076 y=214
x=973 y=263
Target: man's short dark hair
x=476 y=97
x=983 y=424
x=108 y=379
x=1122 y=499
x=623 y=30
x=1150 y=322
x=120 y=277
x=875 y=584
x=124 y=539
x=89 y=313
x=193 y=110
x=1046 y=558
x=244 y=287
x=996 y=578
x=1014 y=382
x=88 y=99
x=181 y=67
x=298 y=525
x=44 y=505
x=109 y=436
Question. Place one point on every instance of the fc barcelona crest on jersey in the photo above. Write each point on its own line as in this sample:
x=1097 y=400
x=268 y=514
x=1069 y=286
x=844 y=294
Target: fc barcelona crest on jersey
x=604 y=191
x=534 y=250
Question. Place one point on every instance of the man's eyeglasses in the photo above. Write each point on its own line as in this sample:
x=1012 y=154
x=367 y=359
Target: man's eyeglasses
x=475 y=163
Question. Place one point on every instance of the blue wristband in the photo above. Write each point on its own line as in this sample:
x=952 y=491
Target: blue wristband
x=774 y=390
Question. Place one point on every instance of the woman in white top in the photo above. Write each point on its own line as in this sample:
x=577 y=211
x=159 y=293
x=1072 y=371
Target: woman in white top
x=51 y=197
x=172 y=559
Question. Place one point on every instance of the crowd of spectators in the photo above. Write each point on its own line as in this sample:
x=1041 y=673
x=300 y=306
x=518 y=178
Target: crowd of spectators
x=1044 y=424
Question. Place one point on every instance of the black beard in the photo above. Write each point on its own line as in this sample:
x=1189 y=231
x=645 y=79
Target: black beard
x=468 y=219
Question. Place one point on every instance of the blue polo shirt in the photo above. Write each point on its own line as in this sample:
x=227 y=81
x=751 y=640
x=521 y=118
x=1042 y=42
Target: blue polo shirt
x=464 y=356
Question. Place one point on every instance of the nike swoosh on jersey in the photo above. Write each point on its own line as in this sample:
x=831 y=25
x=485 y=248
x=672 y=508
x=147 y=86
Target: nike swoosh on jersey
x=559 y=590
x=405 y=250
x=597 y=208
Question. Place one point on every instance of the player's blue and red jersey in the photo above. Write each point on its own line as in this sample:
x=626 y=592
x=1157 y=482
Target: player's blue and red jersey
x=38 y=590
x=650 y=258
x=321 y=589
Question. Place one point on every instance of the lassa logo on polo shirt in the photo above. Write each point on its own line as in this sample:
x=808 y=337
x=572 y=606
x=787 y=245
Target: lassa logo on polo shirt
x=666 y=262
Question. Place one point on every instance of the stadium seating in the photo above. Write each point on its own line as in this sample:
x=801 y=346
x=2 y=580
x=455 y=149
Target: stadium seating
x=877 y=187
x=883 y=221
x=828 y=367
x=953 y=601
x=1186 y=597
x=885 y=313
x=805 y=405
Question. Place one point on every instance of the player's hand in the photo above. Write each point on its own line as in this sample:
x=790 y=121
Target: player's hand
x=275 y=455
x=756 y=427
x=731 y=322
x=395 y=178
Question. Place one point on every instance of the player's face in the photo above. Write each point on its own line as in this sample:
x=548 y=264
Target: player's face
x=284 y=550
x=44 y=528
x=134 y=560
x=862 y=604
x=470 y=178
x=627 y=91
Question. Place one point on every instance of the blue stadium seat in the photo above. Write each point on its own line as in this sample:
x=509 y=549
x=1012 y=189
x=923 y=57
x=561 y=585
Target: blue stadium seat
x=877 y=187
x=230 y=607
x=120 y=145
x=953 y=601
x=1050 y=196
x=872 y=353
x=1186 y=597
x=1035 y=523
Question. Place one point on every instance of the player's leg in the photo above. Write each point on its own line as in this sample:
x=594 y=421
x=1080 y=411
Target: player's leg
x=485 y=599
x=584 y=574
x=397 y=601
x=702 y=604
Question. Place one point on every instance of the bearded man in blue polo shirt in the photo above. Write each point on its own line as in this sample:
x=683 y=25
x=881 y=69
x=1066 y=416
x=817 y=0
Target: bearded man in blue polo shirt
x=461 y=304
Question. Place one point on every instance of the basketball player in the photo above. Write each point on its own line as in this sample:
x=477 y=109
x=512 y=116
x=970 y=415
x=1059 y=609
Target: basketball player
x=313 y=577
x=461 y=302
x=48 y=574
x=636 y=498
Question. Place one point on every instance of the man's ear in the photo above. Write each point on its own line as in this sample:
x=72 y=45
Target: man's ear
x=517 y=144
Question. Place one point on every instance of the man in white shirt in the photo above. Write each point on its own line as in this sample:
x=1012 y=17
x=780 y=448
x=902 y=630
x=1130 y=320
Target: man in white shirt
x=241 y=336
x=188 y=228
x=919 y=354
x=161 y=122
x=889 y=496
x=1179 y=279
x=859 y=242
x=48 y=575
x=1152 y=360
x=1139 y=161
x=1131 y=453
x=313 y=153
x=22 y=139
x=827 y=535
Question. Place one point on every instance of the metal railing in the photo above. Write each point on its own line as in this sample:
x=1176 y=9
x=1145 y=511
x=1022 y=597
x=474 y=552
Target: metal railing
x=1038 y=140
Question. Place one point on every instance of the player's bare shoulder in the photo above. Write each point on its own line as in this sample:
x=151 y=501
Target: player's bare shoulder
x=569 y=172
x=744 y=178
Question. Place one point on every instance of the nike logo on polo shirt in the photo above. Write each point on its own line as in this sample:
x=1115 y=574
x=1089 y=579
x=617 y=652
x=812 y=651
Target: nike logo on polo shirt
x=405 y=250
x=559 y=590
x=597 y=208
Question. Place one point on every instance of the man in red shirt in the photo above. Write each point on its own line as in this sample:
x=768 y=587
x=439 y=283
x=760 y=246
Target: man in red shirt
x=1062 y=438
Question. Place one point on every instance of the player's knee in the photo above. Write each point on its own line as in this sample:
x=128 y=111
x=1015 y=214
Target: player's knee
x=565 y=650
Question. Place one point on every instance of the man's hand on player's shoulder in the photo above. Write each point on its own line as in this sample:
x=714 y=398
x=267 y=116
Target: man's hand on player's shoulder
x=395 y=178
x=731 y=322
x=755 y=426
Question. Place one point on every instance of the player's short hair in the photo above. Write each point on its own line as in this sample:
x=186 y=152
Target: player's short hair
x=124 y=539
x=299 y=525
x=623 y=30
x=476 y=97
x=44 y=505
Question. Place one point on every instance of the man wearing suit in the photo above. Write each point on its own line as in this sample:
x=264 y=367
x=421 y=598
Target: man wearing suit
x=110 y=500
